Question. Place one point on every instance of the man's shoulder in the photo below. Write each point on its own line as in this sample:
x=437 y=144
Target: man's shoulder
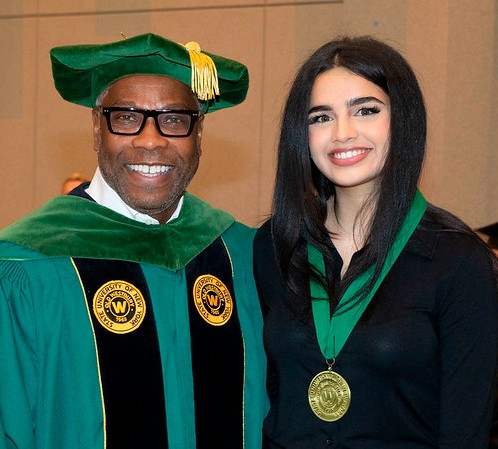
x=54 y=210
x=58 y=214
x=242 y=230
x=14 y=252
x=239 y=239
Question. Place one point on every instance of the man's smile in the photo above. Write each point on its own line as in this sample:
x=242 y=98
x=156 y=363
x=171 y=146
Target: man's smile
x=151 y=170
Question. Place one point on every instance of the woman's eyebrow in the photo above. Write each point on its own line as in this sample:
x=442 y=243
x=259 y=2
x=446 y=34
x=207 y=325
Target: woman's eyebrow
x=319 y=108
x=361 y=100
x=352 y=102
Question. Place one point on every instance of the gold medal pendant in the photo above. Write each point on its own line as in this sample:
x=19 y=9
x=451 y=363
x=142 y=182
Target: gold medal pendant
x=329 y=396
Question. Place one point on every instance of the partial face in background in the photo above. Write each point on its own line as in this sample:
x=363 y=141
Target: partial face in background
x=349 y=122
x=149 y=171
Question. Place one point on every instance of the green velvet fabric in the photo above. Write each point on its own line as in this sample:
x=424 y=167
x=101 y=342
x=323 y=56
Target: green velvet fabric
x=82 y=72
x=90 y=230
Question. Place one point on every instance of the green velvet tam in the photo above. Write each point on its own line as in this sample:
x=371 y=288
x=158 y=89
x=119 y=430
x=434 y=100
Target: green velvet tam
x=82 y=72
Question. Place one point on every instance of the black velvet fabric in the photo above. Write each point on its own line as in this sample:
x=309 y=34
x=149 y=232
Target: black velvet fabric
x=216 y=350
x=129 y=364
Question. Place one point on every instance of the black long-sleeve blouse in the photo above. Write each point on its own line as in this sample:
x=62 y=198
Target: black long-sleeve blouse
x=420 y=363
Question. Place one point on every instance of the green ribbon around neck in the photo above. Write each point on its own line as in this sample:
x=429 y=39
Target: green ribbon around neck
x=332 y=333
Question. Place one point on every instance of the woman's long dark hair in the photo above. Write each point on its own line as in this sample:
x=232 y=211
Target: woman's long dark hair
x=302 y=191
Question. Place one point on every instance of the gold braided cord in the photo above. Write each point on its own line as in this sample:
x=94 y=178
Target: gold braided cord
x=204 y=81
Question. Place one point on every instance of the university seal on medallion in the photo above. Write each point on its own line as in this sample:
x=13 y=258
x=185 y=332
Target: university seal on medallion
x=212 y=300
x=119 y=307
x=329 y=396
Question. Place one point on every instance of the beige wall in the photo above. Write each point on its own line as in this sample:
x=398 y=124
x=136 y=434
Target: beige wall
x=451 y=44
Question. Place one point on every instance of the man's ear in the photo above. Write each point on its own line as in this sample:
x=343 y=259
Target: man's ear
x=96 y=129
x=200 y=127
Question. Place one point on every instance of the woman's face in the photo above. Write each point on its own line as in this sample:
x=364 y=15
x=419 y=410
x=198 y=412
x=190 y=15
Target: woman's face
x=349 y=120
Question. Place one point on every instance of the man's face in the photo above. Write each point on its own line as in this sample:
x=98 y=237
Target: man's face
x=150 y=172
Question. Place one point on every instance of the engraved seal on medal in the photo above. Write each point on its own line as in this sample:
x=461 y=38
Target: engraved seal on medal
x=329 y=396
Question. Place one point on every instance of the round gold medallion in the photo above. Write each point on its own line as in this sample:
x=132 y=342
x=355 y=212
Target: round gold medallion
x=329 y=396
x=212 y=300
x=119 y=307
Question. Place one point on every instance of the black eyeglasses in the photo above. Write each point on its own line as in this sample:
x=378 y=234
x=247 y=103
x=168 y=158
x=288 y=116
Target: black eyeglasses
x=169 y=122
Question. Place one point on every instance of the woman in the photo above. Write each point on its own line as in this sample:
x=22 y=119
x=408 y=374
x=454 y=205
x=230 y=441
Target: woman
x=408 y=359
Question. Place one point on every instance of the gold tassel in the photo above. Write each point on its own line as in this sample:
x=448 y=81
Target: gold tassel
x=204 y=74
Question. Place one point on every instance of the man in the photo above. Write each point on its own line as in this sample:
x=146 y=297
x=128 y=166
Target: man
x=128 y=313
